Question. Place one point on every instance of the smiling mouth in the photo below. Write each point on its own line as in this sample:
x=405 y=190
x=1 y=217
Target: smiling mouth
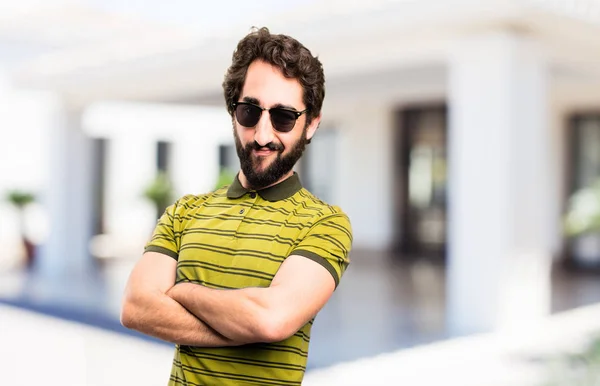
x=263 y=152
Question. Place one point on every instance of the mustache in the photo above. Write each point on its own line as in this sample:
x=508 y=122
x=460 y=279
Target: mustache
x=270 y=146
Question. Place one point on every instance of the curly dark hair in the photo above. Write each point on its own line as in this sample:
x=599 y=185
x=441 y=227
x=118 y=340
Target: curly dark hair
x=286 y=53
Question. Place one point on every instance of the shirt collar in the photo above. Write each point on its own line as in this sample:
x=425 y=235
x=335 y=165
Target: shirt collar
x=285 y=189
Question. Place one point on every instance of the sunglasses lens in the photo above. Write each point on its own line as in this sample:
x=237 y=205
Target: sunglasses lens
x=283 y=120
x=247 y=115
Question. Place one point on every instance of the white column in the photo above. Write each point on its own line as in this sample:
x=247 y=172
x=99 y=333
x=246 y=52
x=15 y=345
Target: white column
x=11 y=113
x=499 y=207
x=67 y=197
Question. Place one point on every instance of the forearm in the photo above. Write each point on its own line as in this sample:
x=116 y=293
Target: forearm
x=160 y=316
x=242 y=314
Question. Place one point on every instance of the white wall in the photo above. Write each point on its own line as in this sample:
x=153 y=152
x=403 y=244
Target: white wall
x=132 y=131
x=361 y=109
x=365 y=172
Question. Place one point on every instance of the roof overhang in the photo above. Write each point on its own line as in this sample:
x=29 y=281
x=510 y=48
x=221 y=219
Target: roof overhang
x=350 y=38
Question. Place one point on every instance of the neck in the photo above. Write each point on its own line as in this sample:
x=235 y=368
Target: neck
x=245 y=184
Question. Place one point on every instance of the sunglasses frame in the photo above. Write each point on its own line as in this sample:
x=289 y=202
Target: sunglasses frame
x=297 y=114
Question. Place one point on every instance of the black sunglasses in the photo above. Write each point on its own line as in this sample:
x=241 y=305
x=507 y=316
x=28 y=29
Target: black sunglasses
x=283 y=120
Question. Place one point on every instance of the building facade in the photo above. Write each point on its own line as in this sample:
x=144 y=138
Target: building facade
x=451 y=130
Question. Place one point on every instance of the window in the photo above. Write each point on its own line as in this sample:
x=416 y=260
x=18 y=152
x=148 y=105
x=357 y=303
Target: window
x=584 y=138
x=228 y=159
x=163 y=150
x=421 y=184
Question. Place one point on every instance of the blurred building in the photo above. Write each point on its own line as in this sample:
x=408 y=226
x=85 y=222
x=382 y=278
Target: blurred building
x=452 y=130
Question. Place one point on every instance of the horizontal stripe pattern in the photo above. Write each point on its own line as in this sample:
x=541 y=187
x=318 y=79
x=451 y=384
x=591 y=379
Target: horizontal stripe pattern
x=226 y=243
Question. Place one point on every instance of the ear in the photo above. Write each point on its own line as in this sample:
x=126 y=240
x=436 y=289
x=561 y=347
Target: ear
x=312 y=128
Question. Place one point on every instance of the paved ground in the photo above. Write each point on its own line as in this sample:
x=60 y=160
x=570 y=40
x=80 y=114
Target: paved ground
x=40 y=350
x=36 y=349
x=532 y=357
x=381 y=306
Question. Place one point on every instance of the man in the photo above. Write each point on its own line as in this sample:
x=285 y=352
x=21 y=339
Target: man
x=236 y=277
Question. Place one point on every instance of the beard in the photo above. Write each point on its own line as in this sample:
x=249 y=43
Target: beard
x=258 y=177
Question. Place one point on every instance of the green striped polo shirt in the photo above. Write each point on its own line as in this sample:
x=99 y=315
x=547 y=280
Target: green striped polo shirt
x=235 y=238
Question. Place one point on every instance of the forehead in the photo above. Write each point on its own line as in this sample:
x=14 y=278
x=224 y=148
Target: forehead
x=267 y=84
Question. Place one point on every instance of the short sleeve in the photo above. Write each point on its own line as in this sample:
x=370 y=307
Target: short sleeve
x=164 y=238
x=328 y=243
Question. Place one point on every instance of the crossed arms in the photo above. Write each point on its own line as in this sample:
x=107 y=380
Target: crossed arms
x=191 y=314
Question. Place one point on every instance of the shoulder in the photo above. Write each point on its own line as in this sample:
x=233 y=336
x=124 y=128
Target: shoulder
x=323 y=211
x=193 y=201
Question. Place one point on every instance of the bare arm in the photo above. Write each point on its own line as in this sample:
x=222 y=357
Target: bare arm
x=298 y=291
x=147 y=309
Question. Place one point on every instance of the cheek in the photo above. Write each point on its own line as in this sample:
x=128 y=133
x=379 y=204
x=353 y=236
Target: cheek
x=245 y=135
x=289 y=142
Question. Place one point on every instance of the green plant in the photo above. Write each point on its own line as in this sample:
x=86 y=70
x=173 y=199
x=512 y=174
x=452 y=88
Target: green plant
x=160 y=191
x=225 y=177
x=577 y=369
x=20 y=199
x=583 y=213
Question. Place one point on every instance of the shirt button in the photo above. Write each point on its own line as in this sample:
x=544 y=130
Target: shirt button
x=241 y=211
x=252 y=195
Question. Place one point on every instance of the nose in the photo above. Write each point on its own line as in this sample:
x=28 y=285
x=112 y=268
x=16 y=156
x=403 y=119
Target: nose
x=263 y=131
